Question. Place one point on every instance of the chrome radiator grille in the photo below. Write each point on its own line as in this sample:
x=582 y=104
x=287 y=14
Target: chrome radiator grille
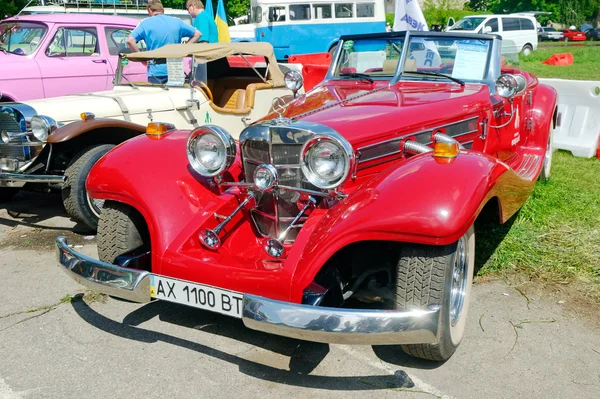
x=276 y=210
x=8 y=123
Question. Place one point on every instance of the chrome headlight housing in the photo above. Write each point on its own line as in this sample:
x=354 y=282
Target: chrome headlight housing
x=326 y=160
x=210 y=150
x=42 y=126
x=293 y=80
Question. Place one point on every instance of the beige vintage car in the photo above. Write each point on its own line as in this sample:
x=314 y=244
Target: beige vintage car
x=54 y=142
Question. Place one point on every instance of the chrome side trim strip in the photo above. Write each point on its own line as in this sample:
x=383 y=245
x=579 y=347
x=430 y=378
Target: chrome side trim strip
x=379 y=150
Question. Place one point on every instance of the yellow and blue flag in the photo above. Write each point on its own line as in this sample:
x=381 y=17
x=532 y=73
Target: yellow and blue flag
x=221 y=20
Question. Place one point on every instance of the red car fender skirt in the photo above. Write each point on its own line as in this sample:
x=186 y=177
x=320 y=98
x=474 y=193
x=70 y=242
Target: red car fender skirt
x=422 y=201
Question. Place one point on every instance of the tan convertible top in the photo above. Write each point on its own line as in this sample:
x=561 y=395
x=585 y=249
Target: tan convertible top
x=214 y=51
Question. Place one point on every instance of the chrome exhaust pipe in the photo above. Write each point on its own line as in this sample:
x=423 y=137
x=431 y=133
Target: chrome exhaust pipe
x=444 y=138
x=412 y=147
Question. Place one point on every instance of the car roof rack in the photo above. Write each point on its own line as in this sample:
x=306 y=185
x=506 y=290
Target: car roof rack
x=100 y=4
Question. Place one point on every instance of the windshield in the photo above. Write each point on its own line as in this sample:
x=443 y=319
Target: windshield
x=444 y=58
x=375 y=58
x=21 y=38
x=470 y=23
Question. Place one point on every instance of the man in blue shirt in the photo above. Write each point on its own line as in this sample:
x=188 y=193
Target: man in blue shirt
x=157 y=31
x=203 y=21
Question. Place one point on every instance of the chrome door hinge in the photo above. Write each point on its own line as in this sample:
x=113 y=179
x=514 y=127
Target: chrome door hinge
x=484 y=128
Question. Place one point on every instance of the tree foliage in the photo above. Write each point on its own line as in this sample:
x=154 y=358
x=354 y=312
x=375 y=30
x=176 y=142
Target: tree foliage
x=568 y=12
x=11 y=7
x=438 y=11
x=233 y=8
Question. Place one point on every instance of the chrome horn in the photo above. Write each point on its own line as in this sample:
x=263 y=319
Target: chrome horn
x=13 y=137
x=210 y=238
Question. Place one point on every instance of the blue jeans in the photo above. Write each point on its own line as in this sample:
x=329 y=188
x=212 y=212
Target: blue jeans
x=158 y=79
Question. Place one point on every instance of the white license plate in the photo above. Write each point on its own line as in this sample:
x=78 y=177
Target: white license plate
x=197 y=295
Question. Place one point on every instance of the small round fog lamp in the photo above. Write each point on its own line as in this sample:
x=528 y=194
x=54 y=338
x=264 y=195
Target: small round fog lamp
x=265 y=177
x=274 y=248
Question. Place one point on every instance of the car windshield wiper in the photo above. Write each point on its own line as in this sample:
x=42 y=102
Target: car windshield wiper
x=460 y=82
x=361 y=76
x=3 y=50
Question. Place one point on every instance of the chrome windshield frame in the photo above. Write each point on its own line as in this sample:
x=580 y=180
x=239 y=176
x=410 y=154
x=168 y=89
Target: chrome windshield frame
x=492 y=70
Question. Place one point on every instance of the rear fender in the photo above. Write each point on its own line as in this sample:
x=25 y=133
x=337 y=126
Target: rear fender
x=545 y=100
x=424 y=200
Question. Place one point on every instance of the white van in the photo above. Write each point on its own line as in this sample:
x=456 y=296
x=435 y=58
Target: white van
x=521 y=29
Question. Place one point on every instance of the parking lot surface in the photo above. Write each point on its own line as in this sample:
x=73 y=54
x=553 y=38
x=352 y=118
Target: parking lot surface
x=59 y=341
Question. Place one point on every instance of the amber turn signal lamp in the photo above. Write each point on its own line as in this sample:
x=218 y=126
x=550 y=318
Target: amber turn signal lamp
x=445 y=150
x=87 y=116
x=158 y=128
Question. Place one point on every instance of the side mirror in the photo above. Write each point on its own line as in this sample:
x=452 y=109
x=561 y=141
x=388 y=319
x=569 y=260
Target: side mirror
x=293 y=81
x=507 y=86
x=487 y=29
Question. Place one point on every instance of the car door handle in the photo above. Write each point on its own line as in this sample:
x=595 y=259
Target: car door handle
x=99 y=61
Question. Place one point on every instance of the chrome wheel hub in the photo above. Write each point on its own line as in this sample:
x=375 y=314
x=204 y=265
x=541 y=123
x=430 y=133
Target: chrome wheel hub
x=460 y=278
x=95 y=205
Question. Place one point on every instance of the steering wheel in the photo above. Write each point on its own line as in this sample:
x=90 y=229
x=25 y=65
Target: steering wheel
x=198 y=84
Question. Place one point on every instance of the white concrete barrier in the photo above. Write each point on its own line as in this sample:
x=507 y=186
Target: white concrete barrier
x=579 y=105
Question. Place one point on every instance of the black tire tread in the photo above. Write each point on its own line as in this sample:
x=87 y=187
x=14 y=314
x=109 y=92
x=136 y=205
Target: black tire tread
x=121 y=229
x=421 y=276
x=73 y=173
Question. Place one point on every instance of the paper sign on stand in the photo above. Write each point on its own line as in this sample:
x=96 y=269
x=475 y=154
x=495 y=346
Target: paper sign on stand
x=175 y=72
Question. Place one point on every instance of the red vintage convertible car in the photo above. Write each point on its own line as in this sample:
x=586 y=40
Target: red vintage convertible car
x=344 y=216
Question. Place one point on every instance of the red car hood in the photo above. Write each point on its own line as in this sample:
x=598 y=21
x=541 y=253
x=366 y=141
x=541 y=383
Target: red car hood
x=380 y=111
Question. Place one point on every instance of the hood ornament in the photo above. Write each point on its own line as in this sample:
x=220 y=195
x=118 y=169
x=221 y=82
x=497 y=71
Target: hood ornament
x=279 y=106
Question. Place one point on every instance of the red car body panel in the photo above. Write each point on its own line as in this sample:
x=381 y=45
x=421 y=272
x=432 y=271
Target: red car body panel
x=409 y=102
x=573 y=35
x=419 y=199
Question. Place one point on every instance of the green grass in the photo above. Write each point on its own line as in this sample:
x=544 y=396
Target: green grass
x=556 y=235
x=586 y=64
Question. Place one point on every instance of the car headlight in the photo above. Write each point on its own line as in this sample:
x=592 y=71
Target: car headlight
x=326 y=160
x=42 y=126
x=210 y=150
x=293 y=80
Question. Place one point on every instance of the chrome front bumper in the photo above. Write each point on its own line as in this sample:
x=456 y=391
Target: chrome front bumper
x=305 y=322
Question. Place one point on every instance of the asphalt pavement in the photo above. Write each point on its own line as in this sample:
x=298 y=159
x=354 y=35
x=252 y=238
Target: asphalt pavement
x=59 y=341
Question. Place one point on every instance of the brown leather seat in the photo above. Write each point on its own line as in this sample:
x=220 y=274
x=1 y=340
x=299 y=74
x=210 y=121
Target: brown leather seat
x=233 y=99
x=236 y=95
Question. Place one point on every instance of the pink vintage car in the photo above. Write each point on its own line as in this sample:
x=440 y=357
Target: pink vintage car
x=59 y=54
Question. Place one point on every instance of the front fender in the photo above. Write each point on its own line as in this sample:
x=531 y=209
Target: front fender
x=165 y=193
x=78 y=128
x=424 y=200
